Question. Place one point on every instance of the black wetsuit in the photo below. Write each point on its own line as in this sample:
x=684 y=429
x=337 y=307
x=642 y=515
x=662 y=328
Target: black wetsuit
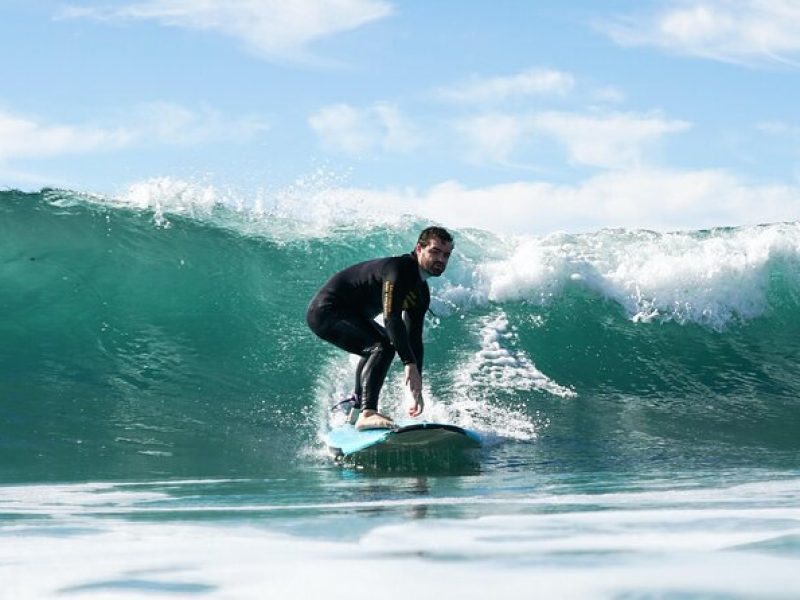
x=343 y=312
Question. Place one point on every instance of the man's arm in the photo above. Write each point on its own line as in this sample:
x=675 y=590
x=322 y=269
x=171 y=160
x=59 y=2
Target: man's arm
x=395 y=289
x=413 y=323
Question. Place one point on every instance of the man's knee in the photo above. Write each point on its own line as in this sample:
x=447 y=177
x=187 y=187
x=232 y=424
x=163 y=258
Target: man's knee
x=382 y=351
x=314 y=319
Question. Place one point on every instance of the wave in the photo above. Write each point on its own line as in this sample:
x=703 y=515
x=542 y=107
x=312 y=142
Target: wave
x=168 y=323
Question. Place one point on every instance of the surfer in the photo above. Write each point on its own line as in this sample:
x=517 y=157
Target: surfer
x=343 y=312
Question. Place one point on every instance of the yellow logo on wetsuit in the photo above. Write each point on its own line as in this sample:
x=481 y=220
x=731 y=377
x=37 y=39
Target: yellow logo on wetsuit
x=410 y=301
x=388 y=290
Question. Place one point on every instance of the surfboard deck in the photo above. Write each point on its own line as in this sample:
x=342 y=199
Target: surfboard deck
x=347 y=440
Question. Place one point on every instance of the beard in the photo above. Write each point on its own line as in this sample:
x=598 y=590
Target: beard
x=436 y=269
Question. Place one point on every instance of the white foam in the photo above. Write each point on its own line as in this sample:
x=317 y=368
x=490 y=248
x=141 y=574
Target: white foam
x=712 y=541
x=69 y=498
x=314 y=205
x=502 y=364
x=711 y=278
x=776 y=499
x=166 y=195
x=499 y=366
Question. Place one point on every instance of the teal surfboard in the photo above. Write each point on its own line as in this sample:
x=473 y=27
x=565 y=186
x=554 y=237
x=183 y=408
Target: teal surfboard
x=348 y=441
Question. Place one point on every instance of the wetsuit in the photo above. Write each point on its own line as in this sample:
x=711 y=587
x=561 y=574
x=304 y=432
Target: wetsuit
x=343 y=312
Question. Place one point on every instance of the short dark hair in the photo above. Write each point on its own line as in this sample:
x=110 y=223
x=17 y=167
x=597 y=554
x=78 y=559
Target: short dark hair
x=440 y=233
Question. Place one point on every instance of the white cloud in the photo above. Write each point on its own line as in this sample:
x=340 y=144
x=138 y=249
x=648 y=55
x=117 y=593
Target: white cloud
x=493 y=137
x=398 y=133
x=533 y=82
x=738 y=31
x=778 y=128
x=608 y=94
x=359 y=131
x=340 y=128
x=169 y=123
x=21 y=137
x=636 y=199
x=158 y=123
x=610 y=140
x=274 y=29
x=614 y=140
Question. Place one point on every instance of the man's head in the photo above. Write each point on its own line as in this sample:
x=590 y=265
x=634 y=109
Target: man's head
x=434 y=246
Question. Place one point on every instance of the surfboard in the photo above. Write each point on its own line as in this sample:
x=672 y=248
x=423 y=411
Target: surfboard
x=347 y=441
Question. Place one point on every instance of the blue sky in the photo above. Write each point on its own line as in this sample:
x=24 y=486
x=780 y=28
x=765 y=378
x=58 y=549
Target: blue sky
x=516 y=116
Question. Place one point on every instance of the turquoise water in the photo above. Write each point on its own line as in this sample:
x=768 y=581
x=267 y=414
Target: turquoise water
x=162 y=403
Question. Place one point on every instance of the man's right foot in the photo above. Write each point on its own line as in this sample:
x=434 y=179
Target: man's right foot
x=373 y=420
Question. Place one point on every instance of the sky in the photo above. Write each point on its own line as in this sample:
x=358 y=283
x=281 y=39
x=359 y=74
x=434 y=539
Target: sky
x=514 y=116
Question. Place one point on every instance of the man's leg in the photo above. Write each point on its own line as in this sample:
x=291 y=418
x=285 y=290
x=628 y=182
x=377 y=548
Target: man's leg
x=379 y=359
x=359 y=388
x=358 y=335
x=370 y=377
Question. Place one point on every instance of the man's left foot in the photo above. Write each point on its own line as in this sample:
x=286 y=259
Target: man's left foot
x=373 y=420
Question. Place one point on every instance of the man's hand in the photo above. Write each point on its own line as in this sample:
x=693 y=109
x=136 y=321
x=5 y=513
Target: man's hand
x=414 y=383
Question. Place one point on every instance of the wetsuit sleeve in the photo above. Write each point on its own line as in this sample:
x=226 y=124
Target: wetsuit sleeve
x=396 y=286
x=414 y=320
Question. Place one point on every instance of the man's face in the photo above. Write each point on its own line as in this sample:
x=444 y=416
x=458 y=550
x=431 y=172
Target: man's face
x=433 y=257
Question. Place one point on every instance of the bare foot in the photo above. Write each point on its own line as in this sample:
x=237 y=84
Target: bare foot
x=370 y=419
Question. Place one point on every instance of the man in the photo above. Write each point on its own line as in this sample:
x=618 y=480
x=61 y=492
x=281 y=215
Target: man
x=344 y=309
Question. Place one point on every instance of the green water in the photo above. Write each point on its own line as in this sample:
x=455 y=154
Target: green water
x=637 y=394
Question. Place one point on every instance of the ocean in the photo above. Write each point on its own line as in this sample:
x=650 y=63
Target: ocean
x=162 y=405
